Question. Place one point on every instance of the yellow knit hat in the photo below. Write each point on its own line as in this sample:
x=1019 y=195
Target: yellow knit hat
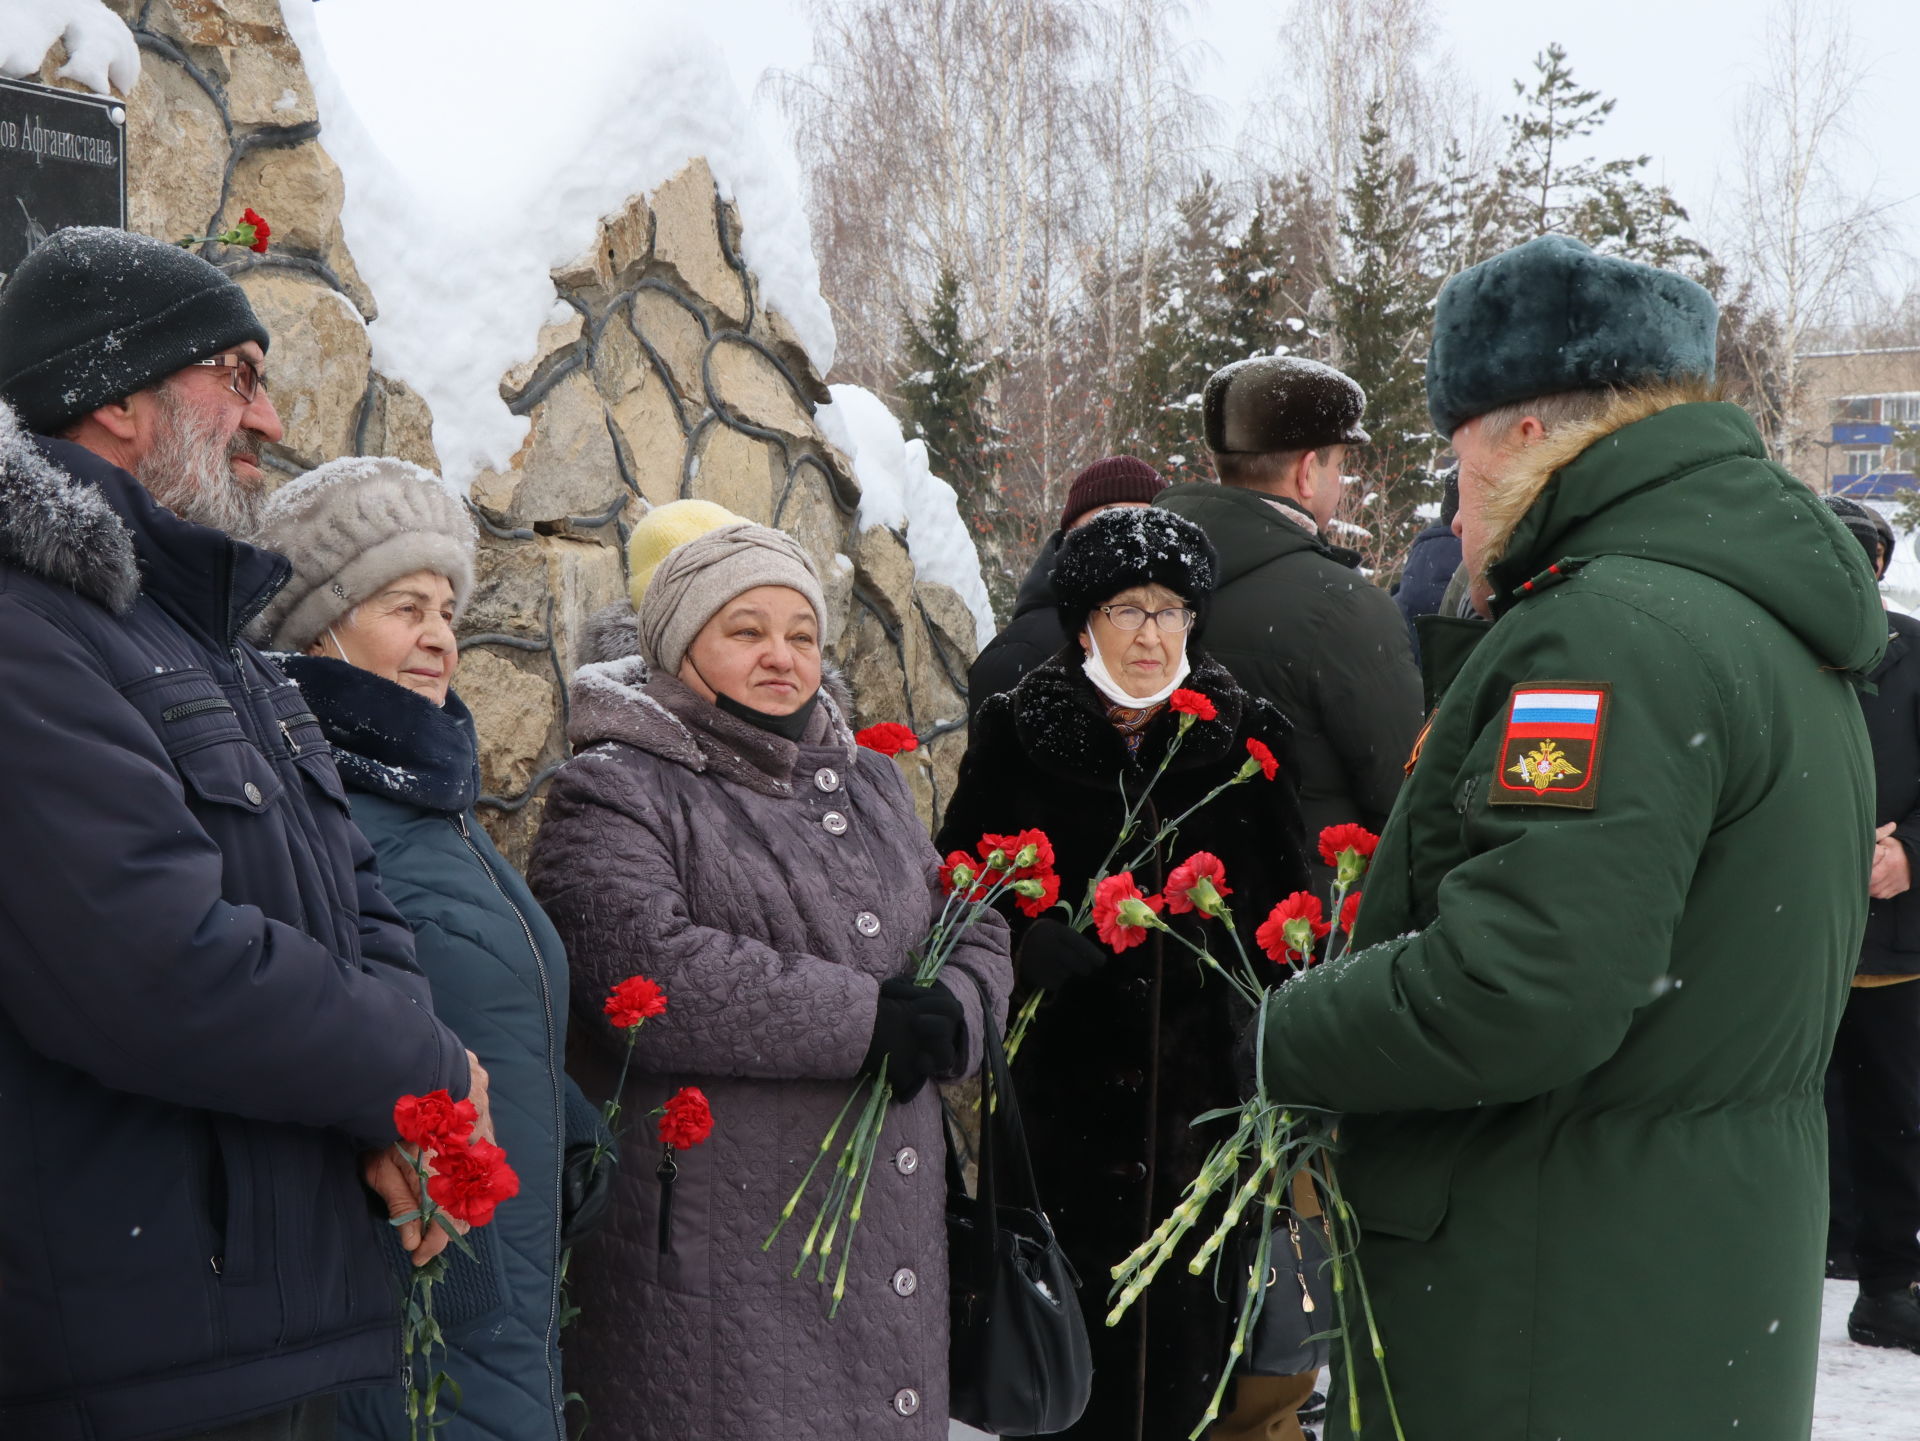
x=661 y=529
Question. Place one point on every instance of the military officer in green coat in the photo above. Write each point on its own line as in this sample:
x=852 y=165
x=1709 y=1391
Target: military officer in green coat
x=1609 y=930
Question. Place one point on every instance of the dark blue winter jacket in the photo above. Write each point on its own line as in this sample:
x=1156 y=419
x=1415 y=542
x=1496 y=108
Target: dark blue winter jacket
x=499 y=978
x=207 y=1007
x=1431 y=562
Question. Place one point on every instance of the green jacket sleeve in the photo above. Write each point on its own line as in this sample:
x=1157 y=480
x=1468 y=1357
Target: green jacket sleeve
x=1558 y=926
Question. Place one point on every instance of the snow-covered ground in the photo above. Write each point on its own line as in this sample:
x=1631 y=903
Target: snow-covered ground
x=1864 y=1394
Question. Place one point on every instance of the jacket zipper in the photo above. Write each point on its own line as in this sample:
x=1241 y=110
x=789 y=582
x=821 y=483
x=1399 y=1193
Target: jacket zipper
x=286 y=731
x=195 y=707
x=559 y=1112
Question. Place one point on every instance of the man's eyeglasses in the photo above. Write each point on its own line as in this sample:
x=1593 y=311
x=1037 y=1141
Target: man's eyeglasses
x=245 y=378
x=1132 y=617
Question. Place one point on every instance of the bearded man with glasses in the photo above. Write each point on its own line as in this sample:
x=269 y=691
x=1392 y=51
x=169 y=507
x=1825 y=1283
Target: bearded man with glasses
x=207 y=1006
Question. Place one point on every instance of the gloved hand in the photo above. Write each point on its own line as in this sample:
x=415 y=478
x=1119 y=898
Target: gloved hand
x=918 y=1032
x=586 y=1191
x=1053 y=953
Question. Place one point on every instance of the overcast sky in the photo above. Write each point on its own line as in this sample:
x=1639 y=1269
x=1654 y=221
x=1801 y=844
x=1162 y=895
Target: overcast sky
x=1676 y=68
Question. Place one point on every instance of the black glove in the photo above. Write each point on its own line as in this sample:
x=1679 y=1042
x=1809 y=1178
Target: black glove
x=586 y=1191
x=918 y=1032
x=1053 y=953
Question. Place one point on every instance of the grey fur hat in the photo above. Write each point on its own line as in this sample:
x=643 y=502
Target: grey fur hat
x=351 y=527
x=1551 y=316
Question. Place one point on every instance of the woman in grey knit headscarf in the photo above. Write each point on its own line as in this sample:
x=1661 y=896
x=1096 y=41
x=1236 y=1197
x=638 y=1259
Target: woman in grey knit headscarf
x=719 y=831
x=383 y=555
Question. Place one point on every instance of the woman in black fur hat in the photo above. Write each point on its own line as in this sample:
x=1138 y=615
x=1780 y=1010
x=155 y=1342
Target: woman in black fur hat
x=1127 y=1049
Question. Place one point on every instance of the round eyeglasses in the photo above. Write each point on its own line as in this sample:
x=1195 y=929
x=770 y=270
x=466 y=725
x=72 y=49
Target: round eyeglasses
x=244 y=377
x=1132 y=617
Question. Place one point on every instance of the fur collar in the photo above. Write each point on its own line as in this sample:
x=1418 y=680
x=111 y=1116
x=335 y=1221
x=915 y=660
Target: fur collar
x=619 y=701
x=1061 y=720
x=1515 y=493
x=59 y=527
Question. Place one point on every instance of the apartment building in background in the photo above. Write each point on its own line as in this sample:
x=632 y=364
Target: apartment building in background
x=1855 y=404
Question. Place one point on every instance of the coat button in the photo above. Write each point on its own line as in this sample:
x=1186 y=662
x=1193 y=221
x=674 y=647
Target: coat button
x=867 y=923
x=833 y=823
x=906 y=1160
x=907 y=1401
x=827 y=778
x=905 y=1283
x=252 y=793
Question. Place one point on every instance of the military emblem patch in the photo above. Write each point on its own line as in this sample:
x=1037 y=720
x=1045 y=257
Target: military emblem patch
x=1550 y=751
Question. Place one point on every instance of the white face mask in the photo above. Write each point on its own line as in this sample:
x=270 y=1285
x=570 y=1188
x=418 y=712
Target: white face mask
x=1103 y=681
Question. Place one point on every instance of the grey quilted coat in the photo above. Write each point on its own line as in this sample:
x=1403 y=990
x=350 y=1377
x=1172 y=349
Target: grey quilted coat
x=769 y=888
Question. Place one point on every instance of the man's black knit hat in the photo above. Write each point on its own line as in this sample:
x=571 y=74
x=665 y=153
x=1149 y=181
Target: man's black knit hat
x=94 y=314
x=1120 y=549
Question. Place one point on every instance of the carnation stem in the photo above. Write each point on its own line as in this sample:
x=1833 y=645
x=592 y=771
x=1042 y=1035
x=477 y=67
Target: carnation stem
x=1018 y=1031
x=826 y=1143
x=860 y=1147
x=1254 y=1298
x=884 y=1092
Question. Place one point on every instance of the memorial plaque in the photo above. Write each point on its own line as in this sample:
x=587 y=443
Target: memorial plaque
x=63 y=161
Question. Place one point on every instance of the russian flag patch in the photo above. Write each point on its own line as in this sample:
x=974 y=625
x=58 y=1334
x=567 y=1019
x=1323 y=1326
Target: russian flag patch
x=1550 y=752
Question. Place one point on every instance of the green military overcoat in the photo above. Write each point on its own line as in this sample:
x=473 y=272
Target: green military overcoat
x=1580 y=1044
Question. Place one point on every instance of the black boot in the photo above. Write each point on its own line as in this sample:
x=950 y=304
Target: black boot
x=1887 y=1320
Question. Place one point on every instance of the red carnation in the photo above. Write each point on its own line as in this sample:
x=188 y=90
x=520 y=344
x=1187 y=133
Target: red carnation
x=890 y=738
x=261 y=230
x=1349 y=912
x=1121 y=915
x=686 y=1120
x=1336 y=841
x=469 y=1181
x=1292 y=927
x=1264 y=758
x=634 y=1000
x=1198 y=884
x=1033 y=894
x=435 y=1121
x=961 y=871
x=1191 y=702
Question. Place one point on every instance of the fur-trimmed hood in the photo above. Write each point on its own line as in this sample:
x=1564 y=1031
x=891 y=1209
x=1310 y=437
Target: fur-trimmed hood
x=1666 y=474
x=59 y=527
x=619 y=701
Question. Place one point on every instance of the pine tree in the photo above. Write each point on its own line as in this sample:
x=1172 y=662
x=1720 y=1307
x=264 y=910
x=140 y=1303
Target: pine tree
x=1221 y=298
x=1379 y=305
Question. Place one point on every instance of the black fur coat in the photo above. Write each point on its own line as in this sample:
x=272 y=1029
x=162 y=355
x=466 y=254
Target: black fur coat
x=1117 y=1065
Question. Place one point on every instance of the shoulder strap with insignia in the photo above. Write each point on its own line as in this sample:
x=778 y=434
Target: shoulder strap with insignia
x=1550 y=750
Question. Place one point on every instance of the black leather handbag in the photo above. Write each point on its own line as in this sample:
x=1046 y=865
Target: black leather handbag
x=1018 y=1359
x=1291 y=1332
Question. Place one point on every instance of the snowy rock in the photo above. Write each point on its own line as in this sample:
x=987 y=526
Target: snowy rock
x=621 y=248
x=98 y=51
x=735 y=470
x=567 y=465
x=750 y=385
x=243 y=46
x=317 y=364
x=176 y=154
x=398 y=423
x=687 y=237
x=299 y=189
x=513 y=714
x=676 y=337
x=557 y=343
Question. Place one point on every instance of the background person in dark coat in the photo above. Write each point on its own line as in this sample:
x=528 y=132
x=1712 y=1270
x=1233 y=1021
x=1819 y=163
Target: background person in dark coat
x=1128 y=1049
x=383 y=564
x=207 y=1006
x=1432 y=560
x=1873 y=1085
x=1033 y=634
x=1293 y=618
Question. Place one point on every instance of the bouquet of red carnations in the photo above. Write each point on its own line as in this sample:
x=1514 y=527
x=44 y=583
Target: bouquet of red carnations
x=1272 y=1143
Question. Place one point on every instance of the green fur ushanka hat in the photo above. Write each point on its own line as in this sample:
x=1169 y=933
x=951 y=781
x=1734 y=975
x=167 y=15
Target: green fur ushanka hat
x=1552 y=316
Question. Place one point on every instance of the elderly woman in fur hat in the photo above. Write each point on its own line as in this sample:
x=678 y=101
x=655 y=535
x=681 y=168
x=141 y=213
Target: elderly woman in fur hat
x=719 y=832
x=382 y=555
x=1128 y=1049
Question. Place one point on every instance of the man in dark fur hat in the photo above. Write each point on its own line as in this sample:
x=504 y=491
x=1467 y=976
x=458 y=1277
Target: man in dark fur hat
x=1294 y=619
x=207 y=1007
